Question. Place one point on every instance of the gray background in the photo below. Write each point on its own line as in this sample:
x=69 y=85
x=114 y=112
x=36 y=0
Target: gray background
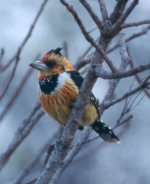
x=128 y=162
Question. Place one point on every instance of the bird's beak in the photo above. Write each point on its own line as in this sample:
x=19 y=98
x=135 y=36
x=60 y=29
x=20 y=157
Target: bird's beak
x=39 y=66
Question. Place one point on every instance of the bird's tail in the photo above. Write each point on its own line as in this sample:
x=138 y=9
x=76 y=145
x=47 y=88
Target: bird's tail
x=105 y=132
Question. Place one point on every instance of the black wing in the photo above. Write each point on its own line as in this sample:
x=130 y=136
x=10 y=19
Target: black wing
x=78 y=80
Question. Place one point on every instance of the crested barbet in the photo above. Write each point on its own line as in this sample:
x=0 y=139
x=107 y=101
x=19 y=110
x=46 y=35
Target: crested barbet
x=59 y=85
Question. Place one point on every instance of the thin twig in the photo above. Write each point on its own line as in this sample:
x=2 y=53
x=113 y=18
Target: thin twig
x=93 y=29
x=16 y=57
x=103 y=10
x=92 y=14
x=110 y=95
x=15 y=95
x=122 y=122
x=134 y=24
x=125 y=120
x=133 y=99
x=29 y=168
x=138 y=102
x=74 y=151
x=62 y=147
x=124 y=112
x=145 y=90
x=2 y=52
x=144 y=31
x=82 y=61
x=139 y=80
x=126 y=95
x=123 y=52
x=107 y=75
x=21 y=133
x=101 y=144
x=107 y=25
x=118 y=10
x=87 y=36
x=116 y=26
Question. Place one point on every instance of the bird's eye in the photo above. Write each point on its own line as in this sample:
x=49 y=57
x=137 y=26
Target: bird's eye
x=51 y=64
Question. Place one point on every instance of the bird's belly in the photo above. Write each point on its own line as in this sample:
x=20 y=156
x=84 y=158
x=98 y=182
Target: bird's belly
x=89 y=115
x=58 y=105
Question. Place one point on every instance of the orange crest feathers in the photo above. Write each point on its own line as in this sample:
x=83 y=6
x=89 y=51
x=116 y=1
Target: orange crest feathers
x=55 y=55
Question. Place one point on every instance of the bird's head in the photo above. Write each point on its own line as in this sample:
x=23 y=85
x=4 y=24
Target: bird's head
x=52 y=63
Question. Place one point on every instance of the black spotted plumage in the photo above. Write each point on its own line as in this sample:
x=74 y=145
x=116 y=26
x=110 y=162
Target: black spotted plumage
x=48 y=84
x=100 y=127
x=78 y=80
x=104 y=131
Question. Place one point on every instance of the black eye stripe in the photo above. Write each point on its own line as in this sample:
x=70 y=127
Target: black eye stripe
x=51 y=64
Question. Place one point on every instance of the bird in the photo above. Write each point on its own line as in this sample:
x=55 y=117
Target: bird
x=59 y=85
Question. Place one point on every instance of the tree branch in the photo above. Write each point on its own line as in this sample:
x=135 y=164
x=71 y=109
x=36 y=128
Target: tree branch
x=81 y=61
x=2 y=52
x=29 y=168
x=103 y=9
x=110 y=95
x=118 y=10
x=63 y=146
x=107 y=25
x=21 y=133
x=15 y=95
x=64 y=151
x=107 y=75
x=87 y=36
x=92 y=14
x=137 y=77
x=131 y=37
x=116 y=26
x=16 y=57
x=74 y=151
x=135 y=24
x=126 y=95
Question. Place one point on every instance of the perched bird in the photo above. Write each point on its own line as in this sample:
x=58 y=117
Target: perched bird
x=59 y=84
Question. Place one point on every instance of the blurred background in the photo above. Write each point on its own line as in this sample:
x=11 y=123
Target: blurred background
x=128 y=162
